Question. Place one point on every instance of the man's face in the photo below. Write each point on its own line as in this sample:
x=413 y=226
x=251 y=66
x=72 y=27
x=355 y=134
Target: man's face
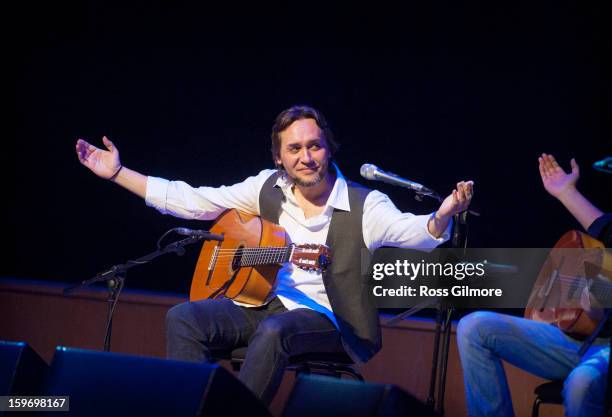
x=304 y=152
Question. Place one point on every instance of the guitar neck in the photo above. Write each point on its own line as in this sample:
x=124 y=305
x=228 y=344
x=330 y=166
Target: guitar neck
x=600 y=288
x=265 y=255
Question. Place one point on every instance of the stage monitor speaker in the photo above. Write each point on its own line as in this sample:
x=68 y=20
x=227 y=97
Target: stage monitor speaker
x=326 y=396
x=111 y=384
x=22 y=370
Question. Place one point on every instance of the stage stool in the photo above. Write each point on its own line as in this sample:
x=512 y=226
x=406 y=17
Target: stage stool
x=335 y=365
x=547 y=393
x=551 y=393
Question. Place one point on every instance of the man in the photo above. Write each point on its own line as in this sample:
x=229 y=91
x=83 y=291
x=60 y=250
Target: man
x=310 y=198
x=487 y=338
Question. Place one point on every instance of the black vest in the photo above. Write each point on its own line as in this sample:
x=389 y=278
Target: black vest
x=347 y=292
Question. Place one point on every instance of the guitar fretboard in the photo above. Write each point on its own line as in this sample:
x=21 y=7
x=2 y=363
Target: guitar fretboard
x=264 y=256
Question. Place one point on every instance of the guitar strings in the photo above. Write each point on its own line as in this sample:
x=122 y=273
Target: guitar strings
x=250 y=256
x=259 y=249
x=253 y=256
x=580 y=283
x=225 y=253
x=267 y=248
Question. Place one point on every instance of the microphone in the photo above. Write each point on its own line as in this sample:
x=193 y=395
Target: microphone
x=372 y=172
x=500 y=268
x=605 y=165
x=493 y=268
x=198 y=233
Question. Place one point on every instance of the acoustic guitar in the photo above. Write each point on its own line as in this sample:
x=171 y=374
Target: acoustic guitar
x=244 y=266
x=577 y=269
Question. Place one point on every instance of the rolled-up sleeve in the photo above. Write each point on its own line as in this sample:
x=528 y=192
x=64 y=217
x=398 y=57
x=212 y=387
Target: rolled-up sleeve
x=385 y=225
x=601 y=229
x=179 y=199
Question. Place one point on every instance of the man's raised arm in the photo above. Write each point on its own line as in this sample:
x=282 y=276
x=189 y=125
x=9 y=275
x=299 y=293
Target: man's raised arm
x=562 y=186
x=106 y=164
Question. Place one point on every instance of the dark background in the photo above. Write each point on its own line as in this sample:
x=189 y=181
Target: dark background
x=435 y=92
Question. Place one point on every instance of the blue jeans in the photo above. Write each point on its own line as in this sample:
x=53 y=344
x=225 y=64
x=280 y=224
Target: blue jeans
x=485 y=338
x=271 y=332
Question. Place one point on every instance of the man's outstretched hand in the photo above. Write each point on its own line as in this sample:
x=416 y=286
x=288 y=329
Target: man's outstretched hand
x=562 y=186
x=457 y=201
x=103 y=163
x=556 y=181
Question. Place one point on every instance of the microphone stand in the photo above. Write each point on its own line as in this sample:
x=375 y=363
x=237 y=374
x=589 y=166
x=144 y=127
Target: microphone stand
x=443 y=319
x=115 y=276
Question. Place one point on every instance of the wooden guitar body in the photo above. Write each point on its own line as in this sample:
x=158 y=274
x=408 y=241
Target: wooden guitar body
x=244 y=266
x=561 y=290
x=250 y=285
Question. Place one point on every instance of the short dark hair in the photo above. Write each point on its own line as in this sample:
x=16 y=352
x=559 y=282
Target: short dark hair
x=299 y=112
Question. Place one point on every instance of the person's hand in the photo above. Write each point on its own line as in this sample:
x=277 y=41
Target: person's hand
x=554 y=178
x=103 y=163
x=457 y=201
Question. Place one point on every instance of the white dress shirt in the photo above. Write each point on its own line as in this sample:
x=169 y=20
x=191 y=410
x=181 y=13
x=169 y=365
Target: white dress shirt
x=383 y=225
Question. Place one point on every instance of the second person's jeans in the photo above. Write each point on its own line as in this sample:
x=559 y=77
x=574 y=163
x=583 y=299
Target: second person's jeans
x=486 y=338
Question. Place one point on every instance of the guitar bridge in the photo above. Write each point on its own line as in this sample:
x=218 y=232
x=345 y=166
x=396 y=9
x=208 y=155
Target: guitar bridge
x=213 y=258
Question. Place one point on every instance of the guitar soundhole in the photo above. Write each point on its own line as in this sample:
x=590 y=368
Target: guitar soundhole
x=237 y=259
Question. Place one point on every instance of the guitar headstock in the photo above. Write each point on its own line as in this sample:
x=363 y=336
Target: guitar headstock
x=311 y=257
